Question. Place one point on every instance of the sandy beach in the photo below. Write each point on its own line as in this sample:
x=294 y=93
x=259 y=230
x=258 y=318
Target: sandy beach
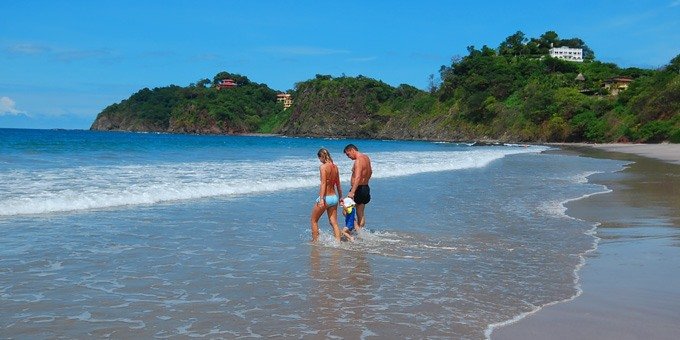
x=666 y=152
x=631 y=283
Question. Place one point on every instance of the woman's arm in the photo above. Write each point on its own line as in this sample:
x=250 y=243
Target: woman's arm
x=322 y=186
x=337 y=183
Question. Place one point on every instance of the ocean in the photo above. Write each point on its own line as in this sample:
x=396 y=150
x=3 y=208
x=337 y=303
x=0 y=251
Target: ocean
x=113 y=234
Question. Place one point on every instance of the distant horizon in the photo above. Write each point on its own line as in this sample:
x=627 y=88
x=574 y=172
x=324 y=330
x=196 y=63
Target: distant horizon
x=62 y=64
x=48 y=129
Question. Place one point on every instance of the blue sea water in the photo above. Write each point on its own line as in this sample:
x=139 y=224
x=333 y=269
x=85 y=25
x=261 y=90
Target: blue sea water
x=112 y=234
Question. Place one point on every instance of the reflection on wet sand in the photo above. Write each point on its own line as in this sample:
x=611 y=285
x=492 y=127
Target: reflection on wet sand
x=340 y=292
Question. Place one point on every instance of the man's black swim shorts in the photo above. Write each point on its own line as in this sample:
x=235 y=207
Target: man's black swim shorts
x=362 y=194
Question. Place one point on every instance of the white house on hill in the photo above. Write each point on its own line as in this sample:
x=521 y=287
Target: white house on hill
x=567 y=53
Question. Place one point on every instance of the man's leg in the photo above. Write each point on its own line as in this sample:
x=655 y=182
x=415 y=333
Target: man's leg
x=361 y=220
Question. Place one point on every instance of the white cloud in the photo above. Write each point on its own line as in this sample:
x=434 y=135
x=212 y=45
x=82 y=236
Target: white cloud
x=304 y=50
x=7 y=107
x=62 y=54
x=362 y=60
x=27 y=49
x=75 y=55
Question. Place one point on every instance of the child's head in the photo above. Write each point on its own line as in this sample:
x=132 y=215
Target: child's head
x=348 y=205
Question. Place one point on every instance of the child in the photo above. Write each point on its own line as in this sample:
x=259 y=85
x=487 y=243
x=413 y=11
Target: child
x=350 y=212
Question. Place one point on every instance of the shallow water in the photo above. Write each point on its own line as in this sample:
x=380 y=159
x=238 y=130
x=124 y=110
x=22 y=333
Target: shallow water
x=144 y=235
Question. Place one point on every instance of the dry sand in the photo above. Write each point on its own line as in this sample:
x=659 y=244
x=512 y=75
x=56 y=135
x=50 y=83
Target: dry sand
x=631 y=283
x=665 y=152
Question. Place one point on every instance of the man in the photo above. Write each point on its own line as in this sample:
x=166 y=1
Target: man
x=361 y=174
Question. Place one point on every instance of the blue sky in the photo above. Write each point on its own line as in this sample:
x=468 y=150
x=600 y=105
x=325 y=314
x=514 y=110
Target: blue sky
x=62 y=62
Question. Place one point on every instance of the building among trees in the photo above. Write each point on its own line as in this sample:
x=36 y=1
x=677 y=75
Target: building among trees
x=286 y=99
x=567 y=53
x=226 y=84
x=617 y=84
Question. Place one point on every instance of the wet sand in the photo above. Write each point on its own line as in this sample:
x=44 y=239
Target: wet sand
x=631 y=282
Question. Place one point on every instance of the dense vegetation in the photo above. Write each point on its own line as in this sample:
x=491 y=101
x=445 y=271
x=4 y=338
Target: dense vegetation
x=198 y=108
x=505 y=94
x=353 y=107
x=511 y=93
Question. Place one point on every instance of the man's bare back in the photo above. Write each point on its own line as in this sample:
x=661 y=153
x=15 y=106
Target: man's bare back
x=361 y=171
x=361 y=175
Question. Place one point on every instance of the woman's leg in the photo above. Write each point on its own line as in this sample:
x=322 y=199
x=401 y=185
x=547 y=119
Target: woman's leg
x=317 y=211
x=332 y=213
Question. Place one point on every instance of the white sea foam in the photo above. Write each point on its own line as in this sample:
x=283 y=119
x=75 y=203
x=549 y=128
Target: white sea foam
x=558 y=208
x=87 y=317
x=582 y=257
x=582 y=178
x=96 y=187
x=392 y=244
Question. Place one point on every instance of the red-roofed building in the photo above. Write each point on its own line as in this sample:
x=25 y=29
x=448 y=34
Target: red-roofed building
x=226 y=84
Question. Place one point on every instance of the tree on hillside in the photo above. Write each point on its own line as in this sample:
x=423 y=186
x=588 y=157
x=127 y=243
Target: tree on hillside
x=541 y=45
x=514 y=45
x=674 y=65
x=203 y=83
x=432 y=83
x=547 y=39
x=558 y=65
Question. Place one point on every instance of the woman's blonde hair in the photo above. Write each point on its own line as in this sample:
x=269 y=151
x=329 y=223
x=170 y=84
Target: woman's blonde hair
x=324 y=155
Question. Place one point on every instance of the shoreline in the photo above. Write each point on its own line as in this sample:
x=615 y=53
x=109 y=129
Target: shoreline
x=664 y=151
x=637 y=308
x=577 y=278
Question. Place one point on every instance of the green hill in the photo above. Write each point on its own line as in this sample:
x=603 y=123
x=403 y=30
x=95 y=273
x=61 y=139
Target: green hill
x=511 y=93
x=198 y=108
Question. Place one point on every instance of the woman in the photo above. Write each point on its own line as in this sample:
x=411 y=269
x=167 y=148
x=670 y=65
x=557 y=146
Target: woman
x=328 y=196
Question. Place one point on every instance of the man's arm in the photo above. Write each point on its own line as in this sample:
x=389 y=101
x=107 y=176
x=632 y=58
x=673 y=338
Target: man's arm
x=358 y=174
x=352 y=181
